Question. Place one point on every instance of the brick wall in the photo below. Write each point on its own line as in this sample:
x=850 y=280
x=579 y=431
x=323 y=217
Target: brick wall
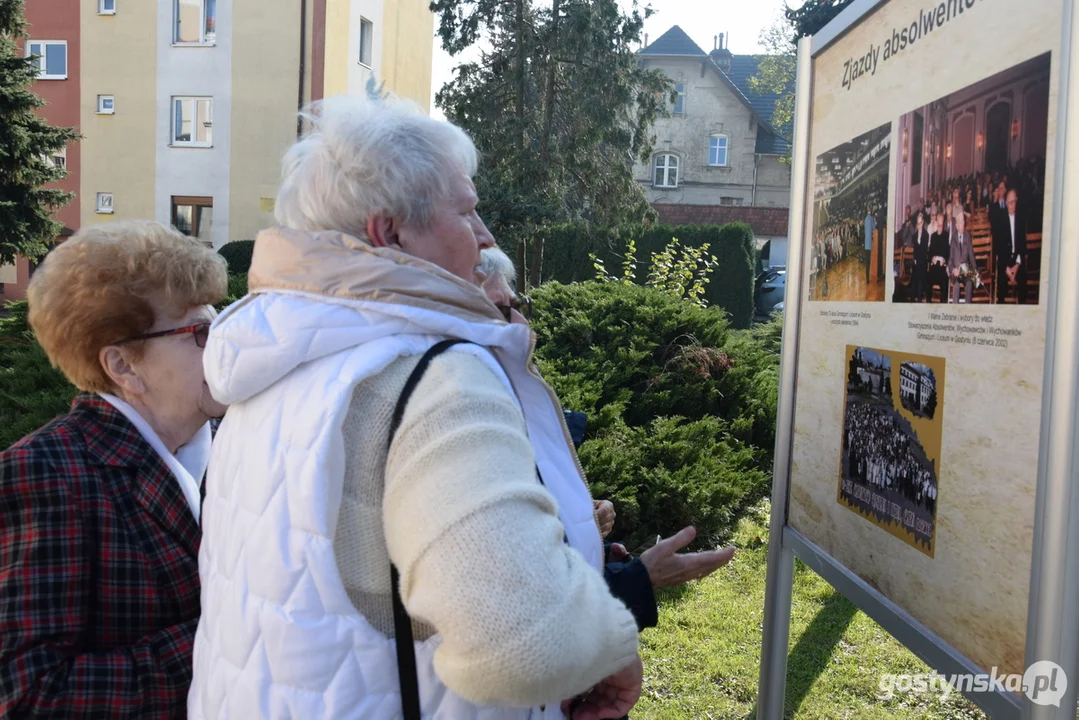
x=766 y=222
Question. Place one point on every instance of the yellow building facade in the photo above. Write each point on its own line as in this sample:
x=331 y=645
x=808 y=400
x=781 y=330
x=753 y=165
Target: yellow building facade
x=187 y=106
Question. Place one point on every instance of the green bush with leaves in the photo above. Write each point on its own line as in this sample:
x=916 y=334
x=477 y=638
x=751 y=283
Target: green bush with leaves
x=674 y=395
x=32 y=392
x=681 y=272
x=572 y=251
x=238 y=255
x=681 y=406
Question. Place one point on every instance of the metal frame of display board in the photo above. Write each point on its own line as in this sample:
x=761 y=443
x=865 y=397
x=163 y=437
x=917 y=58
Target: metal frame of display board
x=1053 y=610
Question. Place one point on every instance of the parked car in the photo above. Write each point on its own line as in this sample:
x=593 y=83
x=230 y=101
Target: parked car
x=771 y=288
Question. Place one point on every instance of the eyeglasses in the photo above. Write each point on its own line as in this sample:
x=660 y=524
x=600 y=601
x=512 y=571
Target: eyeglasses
x=520 y=303
x=523 y=305
x=201 y=331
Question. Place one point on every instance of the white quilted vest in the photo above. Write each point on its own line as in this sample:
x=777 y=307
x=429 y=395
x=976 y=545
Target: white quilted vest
x=278 y=636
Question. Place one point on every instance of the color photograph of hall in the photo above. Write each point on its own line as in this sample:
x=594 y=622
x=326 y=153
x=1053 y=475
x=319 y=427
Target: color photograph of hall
x=850 y=218
x=970 y=192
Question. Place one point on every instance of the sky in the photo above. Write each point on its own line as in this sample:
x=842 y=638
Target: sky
x=740 y=20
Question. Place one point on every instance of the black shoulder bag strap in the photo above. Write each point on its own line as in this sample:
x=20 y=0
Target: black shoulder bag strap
x=402 y=623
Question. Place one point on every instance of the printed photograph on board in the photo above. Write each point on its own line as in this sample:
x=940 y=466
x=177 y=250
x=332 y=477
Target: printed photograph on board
x=850 y=220
x=892 y=441
x=970 y=192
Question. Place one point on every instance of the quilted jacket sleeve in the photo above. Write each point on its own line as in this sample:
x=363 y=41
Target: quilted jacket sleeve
x=524 y=619
x=45 y=577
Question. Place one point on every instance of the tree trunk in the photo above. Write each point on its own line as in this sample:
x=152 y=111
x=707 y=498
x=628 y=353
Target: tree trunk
x=548 y=101
x=536 y=276
x=522 y=267
x=520 y=75
x=535 y=269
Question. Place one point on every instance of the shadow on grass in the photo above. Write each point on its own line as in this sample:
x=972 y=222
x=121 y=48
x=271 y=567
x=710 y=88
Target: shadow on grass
x=668 y=595
x=809 y=658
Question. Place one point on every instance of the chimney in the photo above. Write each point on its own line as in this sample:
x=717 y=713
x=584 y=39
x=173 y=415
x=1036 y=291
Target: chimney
x=715 y=45
x=646 y=39
x=720 y=47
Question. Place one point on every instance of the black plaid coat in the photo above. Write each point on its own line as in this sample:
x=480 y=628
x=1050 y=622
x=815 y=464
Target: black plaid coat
x=99 y=584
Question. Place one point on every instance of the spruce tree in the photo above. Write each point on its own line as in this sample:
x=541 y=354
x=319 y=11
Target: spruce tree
x=27 y=142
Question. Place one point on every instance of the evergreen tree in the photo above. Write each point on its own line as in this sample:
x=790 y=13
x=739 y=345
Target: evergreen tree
x=27 y=142
x=776 y=71
x=813 y=15
x=559 y=108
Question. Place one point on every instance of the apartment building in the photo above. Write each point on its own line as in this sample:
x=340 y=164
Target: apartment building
x=186 y=106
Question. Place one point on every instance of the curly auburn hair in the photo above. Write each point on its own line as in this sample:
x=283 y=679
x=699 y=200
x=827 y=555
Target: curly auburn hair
x=103 y=284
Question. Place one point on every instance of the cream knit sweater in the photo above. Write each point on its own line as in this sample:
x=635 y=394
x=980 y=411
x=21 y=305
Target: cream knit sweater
x=523 y=618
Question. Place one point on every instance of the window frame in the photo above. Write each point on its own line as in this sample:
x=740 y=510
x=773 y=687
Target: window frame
x=42 y=60
x=667 y=167
x=102 y=10
x=193 y=143
x=195 y=202
x=60 y=155
x=726 y=149
x=206 y=38
x=369 y=45
x=101 y=110
x=104 y=208
x=680 y=97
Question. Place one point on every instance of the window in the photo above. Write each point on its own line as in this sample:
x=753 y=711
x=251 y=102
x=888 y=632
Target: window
x=59 y=158
x=106 y=105
x=194 y=216
x=718 y=146
x=680 y=99
x=104 y=203
x=666 y=174
x=50 y=57
x=367 y=41
x=730 y=201
x=195 y=22
x=192 y=121
x=106 y=7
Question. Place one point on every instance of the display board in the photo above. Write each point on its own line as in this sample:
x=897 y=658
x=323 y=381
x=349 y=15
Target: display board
x=929 y=146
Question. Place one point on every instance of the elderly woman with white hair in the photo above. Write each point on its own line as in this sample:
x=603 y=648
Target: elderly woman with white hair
x=395 y=522
x=499 y=276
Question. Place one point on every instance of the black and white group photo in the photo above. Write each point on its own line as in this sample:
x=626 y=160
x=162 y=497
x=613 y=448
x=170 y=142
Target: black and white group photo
x=850 y=219
x=970 y=192
x=889 y=473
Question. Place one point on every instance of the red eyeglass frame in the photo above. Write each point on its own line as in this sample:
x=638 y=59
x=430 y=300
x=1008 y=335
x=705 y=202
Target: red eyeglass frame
x=201 y=331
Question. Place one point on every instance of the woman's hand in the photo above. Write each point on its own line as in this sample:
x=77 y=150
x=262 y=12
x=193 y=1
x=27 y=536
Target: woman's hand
x=667 y=567
x=613 y=697
x=605 y=516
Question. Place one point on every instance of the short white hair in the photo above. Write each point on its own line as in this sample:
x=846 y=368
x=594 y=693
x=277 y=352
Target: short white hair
x=362 y=157
x=496 y=262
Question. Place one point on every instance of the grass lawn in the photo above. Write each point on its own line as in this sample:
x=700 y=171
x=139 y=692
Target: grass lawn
x=703 y=659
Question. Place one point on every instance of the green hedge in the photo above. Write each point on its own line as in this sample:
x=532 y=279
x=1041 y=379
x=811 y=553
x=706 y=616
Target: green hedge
x=32 y=392
x=567 y=249
x=238 y=255
x=681 y=406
